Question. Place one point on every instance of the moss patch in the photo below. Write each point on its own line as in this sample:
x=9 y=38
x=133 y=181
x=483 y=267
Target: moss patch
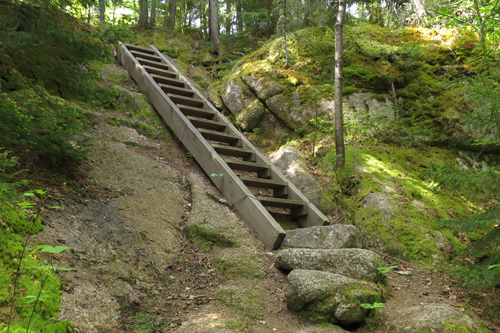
x=243 y=299
x=408 y=229
x=209 y=238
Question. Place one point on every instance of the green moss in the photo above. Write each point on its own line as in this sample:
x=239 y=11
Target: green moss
x=404 y=231
x=243 y=299
x=247 y=267
x=209 y=238
x=128 y=280
x=156 y=131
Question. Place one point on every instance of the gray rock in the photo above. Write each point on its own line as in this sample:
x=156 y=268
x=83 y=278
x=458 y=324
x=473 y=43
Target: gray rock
x=263 y=87
x=354 y=263
x=330 y=297
x=434 y=318
x=250 y=117
x=236 y=97
x=288 y=109
x=291 y=163
x=271 y=126
x=327 y=237
x=379 y=200
x=364 y=103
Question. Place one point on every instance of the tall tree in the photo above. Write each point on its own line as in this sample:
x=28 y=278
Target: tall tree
x=143 y=13
x=102 y=12
x=239 y=19
x=152 y=18
x=339 y=75
x=214 y=26
x=229 y=18
x=172 y=8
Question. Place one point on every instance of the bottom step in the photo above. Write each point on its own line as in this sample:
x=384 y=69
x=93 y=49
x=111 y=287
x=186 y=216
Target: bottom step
x=297 y=207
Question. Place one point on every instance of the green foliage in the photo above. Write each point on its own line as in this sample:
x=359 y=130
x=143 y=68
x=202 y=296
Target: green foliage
x=51 y=49
x=385 y=270
x=372 y=306
x=35 y=125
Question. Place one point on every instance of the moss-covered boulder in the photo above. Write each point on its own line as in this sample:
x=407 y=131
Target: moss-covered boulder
x=385 y=70
x=250 y=117
x=336 y=236
x=354 y=263
x=330 y=297
x=263 y=87
x=439 y=318
x=237 y=96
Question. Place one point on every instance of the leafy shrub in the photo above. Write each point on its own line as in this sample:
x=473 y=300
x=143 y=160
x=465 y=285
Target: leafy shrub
x=34 y=125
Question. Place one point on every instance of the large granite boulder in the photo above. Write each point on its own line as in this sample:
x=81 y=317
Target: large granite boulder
x=336 y=236
x=365 y=103
x=263 y=87
x=438 y=318
x=250 y=117
x=236 y=96
x=287 y=107
x=330 y=297
x=294 y=166
x=354 y=263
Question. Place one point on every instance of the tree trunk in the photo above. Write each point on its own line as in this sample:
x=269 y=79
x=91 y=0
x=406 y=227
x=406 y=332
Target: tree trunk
x=203 y=19
x=152 y=18
x=214 y=26
x=172 y=8
x=239 y=20
x=229 y=18
x=339 y=115
x=102 y=12
x=89 y=13
x=143 y=13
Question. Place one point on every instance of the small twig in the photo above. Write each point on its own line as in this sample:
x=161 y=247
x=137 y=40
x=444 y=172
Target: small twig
x=156 y=269
x=392 y=258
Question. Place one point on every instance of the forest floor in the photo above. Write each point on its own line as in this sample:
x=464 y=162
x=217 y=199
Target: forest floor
x=137 y=270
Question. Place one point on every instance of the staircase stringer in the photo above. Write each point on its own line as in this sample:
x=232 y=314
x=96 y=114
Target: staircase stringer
x=314 y=217
x=271 y=233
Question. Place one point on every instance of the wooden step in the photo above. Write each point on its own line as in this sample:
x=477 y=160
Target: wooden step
x=280 y=189
x=142 y=49
x=207 y=124
x=158 y=72
x=247 y=154
x=194 y=120
x=233 y=140
x=262 y=170
x=176 y=90
x=196 y=112
x=186 y=100
x=298 y=208
x=168 y=80
x=146 y=56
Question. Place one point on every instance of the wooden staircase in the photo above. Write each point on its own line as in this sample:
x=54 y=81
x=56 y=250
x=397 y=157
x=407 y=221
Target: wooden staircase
x=218 y=147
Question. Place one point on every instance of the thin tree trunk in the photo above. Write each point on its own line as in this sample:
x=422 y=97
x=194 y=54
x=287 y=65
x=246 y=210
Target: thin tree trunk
x=229 y=18
x=203 y=18
x=89 y=13
x=102 y=12
x=172 y=8
x=214 y=26
x=339 y=115
x=143 y=13
x=239 y=20
x=152 y=18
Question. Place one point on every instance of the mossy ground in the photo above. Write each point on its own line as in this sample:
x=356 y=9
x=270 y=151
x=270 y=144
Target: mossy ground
x=408 y=229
